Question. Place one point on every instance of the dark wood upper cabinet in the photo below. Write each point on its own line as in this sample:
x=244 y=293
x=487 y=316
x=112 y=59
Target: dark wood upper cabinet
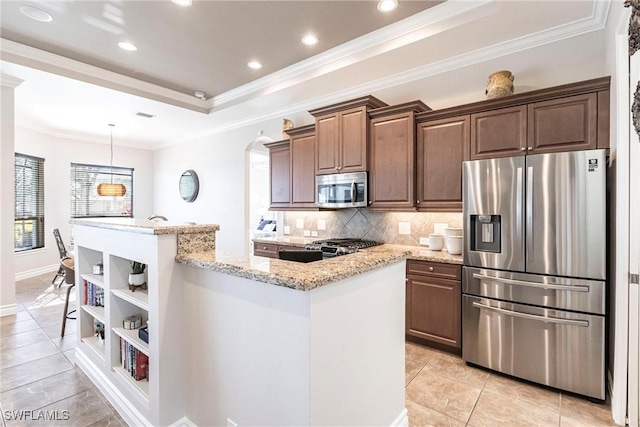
x=563 y=124
x=392 y=156
x=303 y=148
x=342 y=135
x=499 y=133
x=442 y=147
x=280 y=173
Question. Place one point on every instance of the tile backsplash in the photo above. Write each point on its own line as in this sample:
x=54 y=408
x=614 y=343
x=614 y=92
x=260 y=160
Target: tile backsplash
x=366 y=224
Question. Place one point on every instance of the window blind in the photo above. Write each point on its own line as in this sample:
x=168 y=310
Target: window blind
x=85 y=201
x=29 y=203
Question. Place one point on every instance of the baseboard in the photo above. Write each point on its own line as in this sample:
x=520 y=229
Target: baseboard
x=8 y=310
x=401 y=420
x=37 y=272
x=130 y=414
x=183 y=422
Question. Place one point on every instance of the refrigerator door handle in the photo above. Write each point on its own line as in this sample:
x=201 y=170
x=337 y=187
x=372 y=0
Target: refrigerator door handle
x=529 y=208
x=570 y=288
x=583 y=323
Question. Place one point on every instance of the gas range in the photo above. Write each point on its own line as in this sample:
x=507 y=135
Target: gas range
x=337 y=247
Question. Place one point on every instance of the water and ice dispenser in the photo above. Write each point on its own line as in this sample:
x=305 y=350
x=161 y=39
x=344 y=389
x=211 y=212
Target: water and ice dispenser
x=485 y=233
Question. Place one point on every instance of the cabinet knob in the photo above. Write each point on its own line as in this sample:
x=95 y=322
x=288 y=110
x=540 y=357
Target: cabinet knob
x=523 y=149
x=529 y=148
x=430 y=268
x=337 y=168
x=370 y=202
x=264 y=248
x=418 y=202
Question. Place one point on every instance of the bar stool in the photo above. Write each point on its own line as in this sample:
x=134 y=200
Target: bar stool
x=69 y=279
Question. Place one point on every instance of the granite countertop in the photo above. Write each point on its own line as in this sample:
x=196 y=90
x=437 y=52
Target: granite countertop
x=296 y=275
x=418 y=253
x=144 y=226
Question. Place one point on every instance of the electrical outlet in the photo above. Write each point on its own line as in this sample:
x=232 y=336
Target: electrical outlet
x=307 y=233
x=231 y=423
x=438 y=227
x=424 y=241
x=314 y=233
x=299 y=223
x=287 y=229
x=404 y=227
x=322 y=224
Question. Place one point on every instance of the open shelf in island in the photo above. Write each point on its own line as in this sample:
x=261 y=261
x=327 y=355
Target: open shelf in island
x=138 y=298
x=96 y=279
x=131 y=336
x=95 y=311
x=140 y=386
x=94 y=344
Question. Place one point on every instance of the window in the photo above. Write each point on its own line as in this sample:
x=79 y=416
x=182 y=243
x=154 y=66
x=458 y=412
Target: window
x=85 y=201
x=29 y=199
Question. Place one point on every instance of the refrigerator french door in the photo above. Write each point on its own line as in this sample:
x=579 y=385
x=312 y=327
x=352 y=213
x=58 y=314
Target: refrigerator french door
x=534 y=286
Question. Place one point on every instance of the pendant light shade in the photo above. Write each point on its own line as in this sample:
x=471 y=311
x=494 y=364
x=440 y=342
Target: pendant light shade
x=111 y=189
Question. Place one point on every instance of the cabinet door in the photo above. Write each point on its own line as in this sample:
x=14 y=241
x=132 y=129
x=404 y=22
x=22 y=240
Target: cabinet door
x=563 y=124
x=327 y=144
x=442 y=147
x=499 y=133
x=303 y=186
x=353 y=140
x=280 y=171
x=392 y=159
x=433 y=309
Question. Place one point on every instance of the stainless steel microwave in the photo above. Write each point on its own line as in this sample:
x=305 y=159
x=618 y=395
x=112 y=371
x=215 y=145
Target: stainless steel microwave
x=341 y=190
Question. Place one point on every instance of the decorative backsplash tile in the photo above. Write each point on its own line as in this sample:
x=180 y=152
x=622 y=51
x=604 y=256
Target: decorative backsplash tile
x=366 y=224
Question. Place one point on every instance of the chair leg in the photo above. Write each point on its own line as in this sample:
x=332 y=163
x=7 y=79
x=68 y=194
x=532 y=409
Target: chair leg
x=65 y=314
x=59 y=274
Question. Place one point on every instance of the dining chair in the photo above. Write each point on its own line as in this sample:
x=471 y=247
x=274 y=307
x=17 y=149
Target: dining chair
x=62 y=250
x=69 y=279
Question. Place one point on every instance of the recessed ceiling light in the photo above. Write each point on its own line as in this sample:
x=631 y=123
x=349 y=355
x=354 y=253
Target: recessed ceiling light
x=254 y=64
x=387 y=5
x=35 y=13
x=183 y=3
x=310 y=39
x=128 y=46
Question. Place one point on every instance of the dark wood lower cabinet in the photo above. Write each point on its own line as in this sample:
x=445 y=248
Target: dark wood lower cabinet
x=270 y=250
x=433 y=311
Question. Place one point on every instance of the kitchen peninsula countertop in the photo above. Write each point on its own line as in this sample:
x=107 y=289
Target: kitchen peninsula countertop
x=296 y=275
x=418 y=253
x=145 y=226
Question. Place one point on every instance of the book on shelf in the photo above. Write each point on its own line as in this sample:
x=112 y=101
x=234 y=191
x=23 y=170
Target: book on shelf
x=133 y=360
x=93 y=295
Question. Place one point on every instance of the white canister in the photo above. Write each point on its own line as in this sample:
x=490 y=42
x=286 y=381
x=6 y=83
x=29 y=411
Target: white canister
x=454 y=244
x=436 y=241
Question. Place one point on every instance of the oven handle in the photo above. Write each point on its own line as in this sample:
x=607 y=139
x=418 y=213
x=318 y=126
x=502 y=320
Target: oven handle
x=583 y=323
x=570 y=288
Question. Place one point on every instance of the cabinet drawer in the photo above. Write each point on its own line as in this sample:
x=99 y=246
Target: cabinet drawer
x=434 y=269
x=265 y=249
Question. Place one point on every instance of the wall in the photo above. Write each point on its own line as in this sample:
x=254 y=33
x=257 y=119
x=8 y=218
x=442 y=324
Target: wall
x=59 y=153
x=369 y=225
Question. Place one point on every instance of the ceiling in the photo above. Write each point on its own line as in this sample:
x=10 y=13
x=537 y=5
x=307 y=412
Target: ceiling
x=76 y=79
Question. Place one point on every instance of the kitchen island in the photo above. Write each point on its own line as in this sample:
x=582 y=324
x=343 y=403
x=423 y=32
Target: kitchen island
x=247 y=340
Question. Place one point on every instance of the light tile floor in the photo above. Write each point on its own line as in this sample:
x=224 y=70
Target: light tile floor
x=37 y=373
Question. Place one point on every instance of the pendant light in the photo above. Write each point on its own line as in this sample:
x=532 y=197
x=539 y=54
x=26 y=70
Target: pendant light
x=111 y=189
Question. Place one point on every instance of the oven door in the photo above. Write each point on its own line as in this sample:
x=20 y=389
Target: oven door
x=347 y=190
x=553 y=347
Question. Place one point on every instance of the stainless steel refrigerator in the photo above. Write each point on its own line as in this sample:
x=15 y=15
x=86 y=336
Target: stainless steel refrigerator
x=535 y=268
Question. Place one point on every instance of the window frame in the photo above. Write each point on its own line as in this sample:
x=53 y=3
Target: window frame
x=31 y=193
x=77 y=170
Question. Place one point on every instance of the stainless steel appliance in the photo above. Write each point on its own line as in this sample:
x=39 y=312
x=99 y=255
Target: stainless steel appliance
x=535 y=263
x=344 y=190
x=336 y=247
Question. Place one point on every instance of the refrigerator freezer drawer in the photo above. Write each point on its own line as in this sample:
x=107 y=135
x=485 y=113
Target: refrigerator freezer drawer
x=552 y=347
x=587 y=296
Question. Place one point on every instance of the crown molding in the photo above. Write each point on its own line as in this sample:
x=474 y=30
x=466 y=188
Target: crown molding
x=10 y=81
x=46 y=61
